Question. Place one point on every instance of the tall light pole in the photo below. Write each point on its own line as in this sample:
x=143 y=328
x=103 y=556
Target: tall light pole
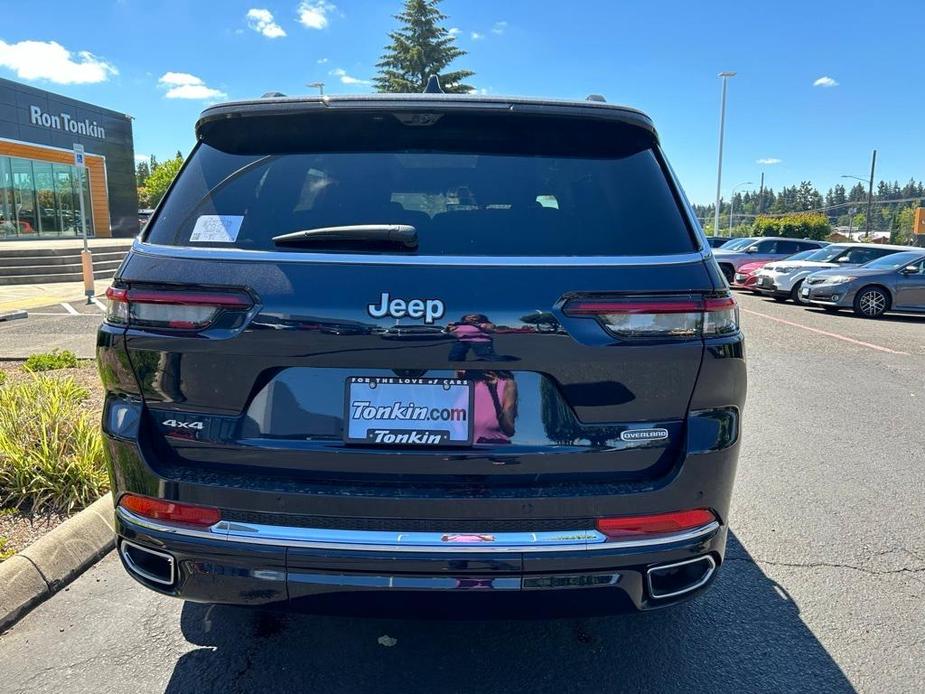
x=870 y=190
x=732 y=200
x=317 y=85
x=719 y=169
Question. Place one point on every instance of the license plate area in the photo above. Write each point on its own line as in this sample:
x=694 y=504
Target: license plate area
x=396 y=411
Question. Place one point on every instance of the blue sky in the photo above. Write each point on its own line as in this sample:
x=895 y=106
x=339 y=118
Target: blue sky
x=163 y=61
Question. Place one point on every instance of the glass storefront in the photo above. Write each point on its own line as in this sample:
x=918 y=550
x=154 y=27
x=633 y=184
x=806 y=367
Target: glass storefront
x=39 y=199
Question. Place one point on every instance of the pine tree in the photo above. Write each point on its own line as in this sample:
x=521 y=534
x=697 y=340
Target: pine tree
x=420 y=48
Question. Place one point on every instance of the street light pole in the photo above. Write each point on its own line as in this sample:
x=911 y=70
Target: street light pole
x=870 y=191
x=719 y=168
x=317 y=85
x=732 y=201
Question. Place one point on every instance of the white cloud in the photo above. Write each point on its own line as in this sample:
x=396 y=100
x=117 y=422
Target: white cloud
x=183 y=85
x=477 y=36
x=825 y=81
x=768 y=160
x=454 y=31
x=499 y=28
x=261 y=21
x=321 y=61
x=345 y=78
x=314 y=13
x=49 y=60
x=139 y=158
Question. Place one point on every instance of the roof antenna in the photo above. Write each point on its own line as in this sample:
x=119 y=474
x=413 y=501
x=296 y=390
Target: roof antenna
x=597 y=98
x=433 y=85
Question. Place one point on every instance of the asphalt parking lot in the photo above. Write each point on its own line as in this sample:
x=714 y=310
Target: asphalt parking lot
x=69 y=325
x=823 y=588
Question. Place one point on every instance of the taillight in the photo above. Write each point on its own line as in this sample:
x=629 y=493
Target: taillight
x=171 y=511
x=654 y=524
x=660 y=316
x=172 y=309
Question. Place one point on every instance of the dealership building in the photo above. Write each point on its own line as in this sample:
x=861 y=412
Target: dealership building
x=39 y=185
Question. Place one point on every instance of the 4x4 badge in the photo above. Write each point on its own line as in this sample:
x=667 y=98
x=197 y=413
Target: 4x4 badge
x=428 y=309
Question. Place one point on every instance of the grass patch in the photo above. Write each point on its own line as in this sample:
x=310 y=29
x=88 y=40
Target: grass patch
x=51 y=450
x=50 y=361
x=4 y=552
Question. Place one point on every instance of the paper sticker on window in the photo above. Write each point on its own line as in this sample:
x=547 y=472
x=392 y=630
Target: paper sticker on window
x=216 y=228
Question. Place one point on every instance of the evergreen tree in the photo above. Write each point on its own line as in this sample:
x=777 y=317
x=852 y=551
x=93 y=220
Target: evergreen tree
x=420 y=48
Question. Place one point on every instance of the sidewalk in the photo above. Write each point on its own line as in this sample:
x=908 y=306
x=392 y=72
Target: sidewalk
x=30 y=296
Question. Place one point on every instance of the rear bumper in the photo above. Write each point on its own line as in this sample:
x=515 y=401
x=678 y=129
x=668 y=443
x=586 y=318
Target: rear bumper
x=537 y=581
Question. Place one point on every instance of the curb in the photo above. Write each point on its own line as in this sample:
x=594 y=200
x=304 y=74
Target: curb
x=54 y=560
x=12 y=315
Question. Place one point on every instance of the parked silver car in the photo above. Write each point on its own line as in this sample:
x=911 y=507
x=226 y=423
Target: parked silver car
x=893 y=283
x=761 y=249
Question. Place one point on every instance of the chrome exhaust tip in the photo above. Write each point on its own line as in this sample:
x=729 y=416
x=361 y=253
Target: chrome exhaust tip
x=678 y=578
x=149 y=564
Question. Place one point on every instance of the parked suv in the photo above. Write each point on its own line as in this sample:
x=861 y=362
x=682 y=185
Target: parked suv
x=767 y=249
x=784 y=279
x=429 y=350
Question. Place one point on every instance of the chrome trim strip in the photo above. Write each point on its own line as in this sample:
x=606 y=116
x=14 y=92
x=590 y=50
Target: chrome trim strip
x=386 y=541
x=141 y=572
x=688 y=589
x=242 y=255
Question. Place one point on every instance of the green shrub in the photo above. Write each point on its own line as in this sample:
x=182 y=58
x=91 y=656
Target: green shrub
x=2 y=377
x=49 y=361
x=51 y=450
x=4 y=552
x=797 y=225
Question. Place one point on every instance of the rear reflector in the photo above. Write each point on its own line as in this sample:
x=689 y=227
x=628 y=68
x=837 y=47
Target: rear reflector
x=660 y=317
x=655 y=524
x=171 y=309
x=171 y=511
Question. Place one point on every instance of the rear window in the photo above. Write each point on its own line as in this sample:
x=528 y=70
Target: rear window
x=460 y=203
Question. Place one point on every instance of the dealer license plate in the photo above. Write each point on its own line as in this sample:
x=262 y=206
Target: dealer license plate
x=394 y=411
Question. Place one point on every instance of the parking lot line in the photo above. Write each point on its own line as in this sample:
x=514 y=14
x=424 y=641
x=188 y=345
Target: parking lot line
x=99 y=304
x=827 y=333
x=70 y=309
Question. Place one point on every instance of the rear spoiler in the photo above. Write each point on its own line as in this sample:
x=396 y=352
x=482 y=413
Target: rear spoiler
x=420 y=103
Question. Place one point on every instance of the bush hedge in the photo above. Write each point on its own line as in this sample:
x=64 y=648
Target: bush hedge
x=51 y=450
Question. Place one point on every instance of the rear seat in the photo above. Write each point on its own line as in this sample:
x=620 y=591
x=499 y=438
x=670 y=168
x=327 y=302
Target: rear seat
x=481 y=232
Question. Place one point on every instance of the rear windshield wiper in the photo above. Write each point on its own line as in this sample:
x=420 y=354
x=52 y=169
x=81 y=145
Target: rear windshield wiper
x=403 y=235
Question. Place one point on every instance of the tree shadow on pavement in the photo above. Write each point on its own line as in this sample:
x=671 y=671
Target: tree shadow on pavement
x=744 y=635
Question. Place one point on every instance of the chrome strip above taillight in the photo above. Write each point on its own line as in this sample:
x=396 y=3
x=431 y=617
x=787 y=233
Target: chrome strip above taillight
x=396 y=541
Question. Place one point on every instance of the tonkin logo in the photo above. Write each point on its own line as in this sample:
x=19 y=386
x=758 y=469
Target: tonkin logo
x=644 y=434
x=428 y=309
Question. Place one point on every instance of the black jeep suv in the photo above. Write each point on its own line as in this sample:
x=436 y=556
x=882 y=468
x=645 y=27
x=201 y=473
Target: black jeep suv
x=435 y=350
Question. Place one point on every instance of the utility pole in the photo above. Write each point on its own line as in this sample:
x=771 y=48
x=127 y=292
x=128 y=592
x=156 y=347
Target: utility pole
x=870 y=191
x=761 y=194
x=719 y=169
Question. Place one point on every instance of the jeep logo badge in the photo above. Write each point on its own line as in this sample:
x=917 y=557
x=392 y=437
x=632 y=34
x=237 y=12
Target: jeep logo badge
x=644 y=434
x=428 y=309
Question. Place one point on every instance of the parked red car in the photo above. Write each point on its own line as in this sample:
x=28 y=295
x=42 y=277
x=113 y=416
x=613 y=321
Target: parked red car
x=744 y=277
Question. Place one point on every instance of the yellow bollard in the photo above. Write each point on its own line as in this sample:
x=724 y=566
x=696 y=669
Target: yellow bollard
x=86 y=262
